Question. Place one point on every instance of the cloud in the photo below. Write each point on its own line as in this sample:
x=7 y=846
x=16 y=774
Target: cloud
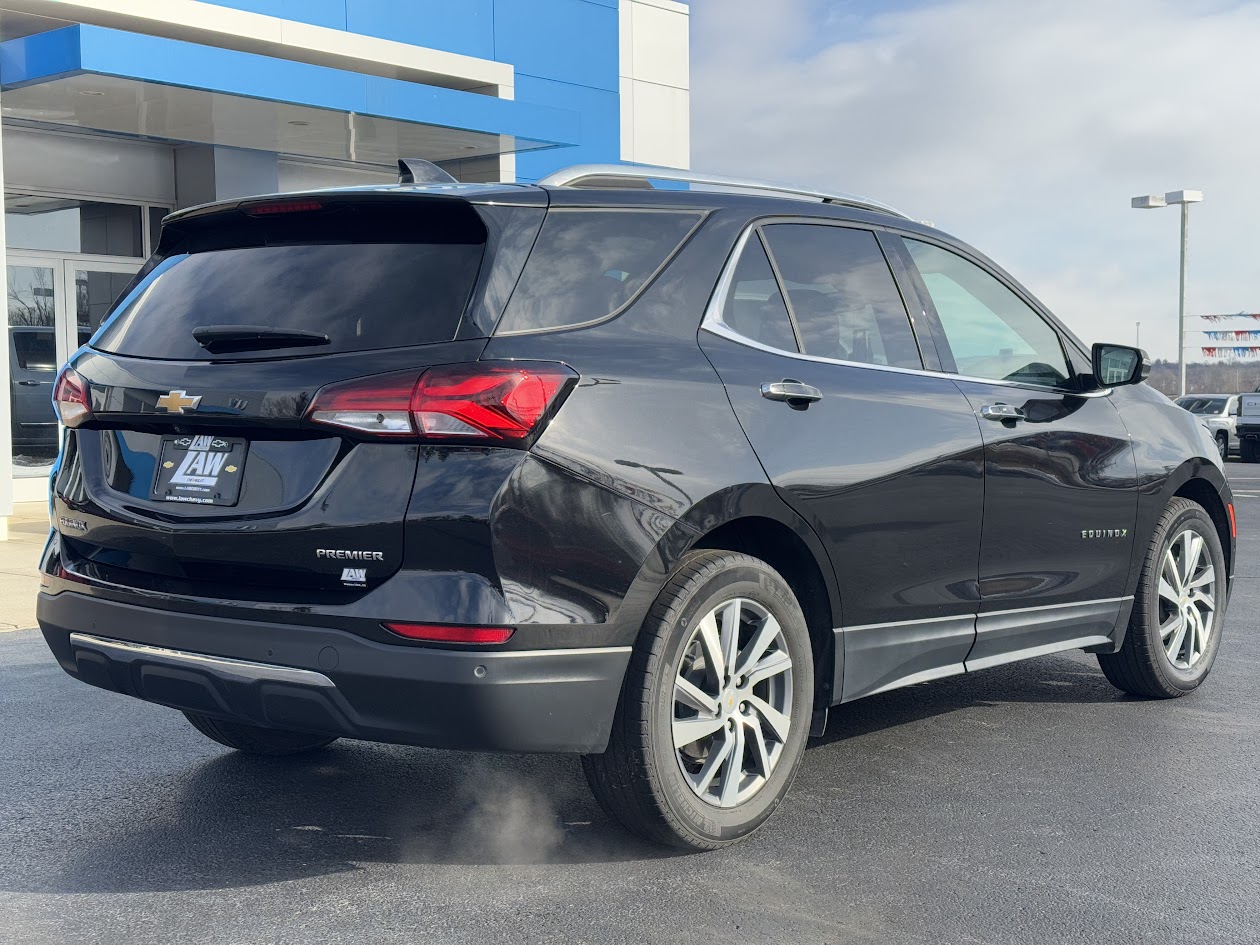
x=1023 y=128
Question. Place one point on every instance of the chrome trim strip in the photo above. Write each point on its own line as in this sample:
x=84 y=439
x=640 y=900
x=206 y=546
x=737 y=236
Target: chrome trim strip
x=289 y=673
x=712 y=323
x=1013 y=656
x=573 y=176
x=983 y=614
x=941 y=672
x=222 y=665
x=961 y=618
x=522 y=654
x=1077 y=603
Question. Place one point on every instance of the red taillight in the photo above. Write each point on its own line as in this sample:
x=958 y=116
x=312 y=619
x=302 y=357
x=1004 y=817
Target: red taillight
x=438 y=633
x=281 y=206
x=483 y=402
x=380 y=405
x=71 y=399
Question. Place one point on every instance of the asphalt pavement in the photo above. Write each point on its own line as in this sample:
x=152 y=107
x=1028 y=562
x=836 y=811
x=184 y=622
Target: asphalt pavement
x=1025 y=804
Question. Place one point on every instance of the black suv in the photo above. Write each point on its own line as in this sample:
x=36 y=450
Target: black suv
x=654 y=476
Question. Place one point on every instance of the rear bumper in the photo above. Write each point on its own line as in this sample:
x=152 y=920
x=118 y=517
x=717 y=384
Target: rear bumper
x=328 y=681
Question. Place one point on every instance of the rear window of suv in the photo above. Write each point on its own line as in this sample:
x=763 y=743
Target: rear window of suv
x=588 y=264
x=362 y=296
x=368 y=276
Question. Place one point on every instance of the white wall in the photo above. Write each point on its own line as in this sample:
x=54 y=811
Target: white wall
x=655 y=83
x=88 y=165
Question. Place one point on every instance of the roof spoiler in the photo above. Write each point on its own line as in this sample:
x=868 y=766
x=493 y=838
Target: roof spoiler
x=420 y=171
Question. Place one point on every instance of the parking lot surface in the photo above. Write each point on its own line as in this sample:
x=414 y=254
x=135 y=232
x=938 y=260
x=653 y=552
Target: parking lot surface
x=1025 y=804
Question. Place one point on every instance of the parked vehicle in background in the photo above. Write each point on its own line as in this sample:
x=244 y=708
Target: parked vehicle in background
x=32 y=373
x=1247 y=427
x=652 y=476
x=1219 y=413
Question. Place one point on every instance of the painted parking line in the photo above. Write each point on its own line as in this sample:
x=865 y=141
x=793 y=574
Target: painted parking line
x=16 y=629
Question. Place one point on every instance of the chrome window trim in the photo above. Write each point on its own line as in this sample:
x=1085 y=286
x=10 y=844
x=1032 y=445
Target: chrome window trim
x=713 y=323
x=635 y=296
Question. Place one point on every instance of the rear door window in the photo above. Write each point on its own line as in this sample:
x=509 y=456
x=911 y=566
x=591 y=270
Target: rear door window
x=842 y=294
x=34 y=350
x=754 y=305
x=588 y=264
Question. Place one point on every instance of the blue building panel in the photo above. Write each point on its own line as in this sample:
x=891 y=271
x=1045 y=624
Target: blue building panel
x=90 y=49
x=564 y=55
x=465 y=27
x=571 y=41
x=598 y=140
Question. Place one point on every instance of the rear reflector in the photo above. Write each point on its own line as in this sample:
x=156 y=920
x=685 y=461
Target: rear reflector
x=282 y=206
x=1233 y=525
x=436 y=633
x=70 y=398
x=505 y=403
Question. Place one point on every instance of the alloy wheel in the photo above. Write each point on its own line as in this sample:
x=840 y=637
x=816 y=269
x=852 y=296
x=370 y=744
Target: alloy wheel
x=732 y=702
x=1187 y=601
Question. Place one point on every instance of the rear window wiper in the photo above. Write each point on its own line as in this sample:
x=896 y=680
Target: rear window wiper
x=221 y=338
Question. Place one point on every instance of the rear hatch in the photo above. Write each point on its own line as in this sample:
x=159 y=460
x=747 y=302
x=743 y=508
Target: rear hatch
x=198 y=469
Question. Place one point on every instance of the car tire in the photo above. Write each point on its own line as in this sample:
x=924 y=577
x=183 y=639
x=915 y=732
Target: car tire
x=688 y=794
x=1222 y=445
x=256 y=740
x=1159 y=659
x=1247 y=450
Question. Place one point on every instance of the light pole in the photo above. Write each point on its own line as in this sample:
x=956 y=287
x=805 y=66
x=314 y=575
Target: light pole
x=1137 y=336
x=1154 y=202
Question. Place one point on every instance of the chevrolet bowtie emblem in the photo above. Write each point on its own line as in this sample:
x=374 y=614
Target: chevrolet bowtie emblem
x=177 y=401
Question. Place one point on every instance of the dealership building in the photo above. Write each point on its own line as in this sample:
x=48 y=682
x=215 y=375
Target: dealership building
x=115 y=112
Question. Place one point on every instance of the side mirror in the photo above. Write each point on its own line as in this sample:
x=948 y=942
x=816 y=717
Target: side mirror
x=1117 y=365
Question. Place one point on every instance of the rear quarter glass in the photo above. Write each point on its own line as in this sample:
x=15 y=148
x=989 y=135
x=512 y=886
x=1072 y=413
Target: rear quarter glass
x=588 y=264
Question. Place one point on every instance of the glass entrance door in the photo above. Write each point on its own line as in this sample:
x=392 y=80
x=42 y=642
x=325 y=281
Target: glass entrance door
x=36 y=302
x=54 y=305
x=90 y=290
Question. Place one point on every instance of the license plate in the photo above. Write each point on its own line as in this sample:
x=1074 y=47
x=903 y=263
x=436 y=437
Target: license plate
x=202 y=470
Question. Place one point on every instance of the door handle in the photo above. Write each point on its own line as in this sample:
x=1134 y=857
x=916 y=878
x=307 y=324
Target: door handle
x=1002 y=412
x=28 y=383
x=792 y=392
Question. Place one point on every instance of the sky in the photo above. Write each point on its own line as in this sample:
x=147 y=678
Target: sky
x=1020 y=126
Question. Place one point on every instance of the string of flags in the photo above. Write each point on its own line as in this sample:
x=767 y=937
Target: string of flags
x=1234 y=335
x=1234 y=351
x=1231 y=351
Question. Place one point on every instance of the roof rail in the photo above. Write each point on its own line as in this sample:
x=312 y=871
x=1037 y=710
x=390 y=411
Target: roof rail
x=626 y=175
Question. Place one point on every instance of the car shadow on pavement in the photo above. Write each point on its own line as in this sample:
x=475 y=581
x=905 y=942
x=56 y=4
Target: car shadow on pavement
x=239 y=820
x=1058 y=678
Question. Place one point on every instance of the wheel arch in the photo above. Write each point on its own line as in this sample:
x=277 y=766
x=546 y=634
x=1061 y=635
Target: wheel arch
x=1202 y=482
x=1201 y=492
x=754 y=520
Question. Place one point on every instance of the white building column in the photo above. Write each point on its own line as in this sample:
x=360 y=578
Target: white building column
x=655 y=83
x=6 y=400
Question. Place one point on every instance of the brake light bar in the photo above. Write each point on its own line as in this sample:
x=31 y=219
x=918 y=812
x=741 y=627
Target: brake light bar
x=70 y=398
x=281 y=206
x=442 y=633
x=499 y=402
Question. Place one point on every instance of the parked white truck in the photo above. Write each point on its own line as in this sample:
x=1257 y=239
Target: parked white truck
x=1248 y=428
